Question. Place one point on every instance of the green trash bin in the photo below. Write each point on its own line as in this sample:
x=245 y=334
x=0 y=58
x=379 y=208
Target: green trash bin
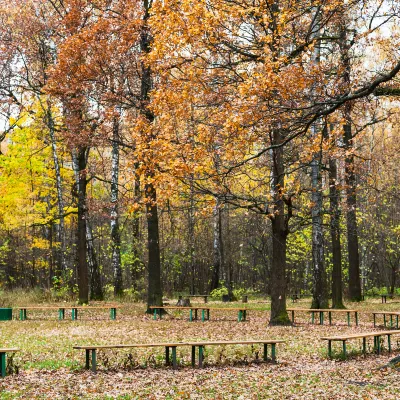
x=5 y=314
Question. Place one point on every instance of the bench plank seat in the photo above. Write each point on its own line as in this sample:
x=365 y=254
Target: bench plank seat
x=3 y=359
x=376 y=335
x=391 y=314
x=74 y=311
x=200 y=344
x=321 y=312
x=242 y=311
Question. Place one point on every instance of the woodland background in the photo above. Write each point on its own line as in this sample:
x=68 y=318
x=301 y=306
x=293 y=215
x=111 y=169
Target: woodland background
x=150 y=147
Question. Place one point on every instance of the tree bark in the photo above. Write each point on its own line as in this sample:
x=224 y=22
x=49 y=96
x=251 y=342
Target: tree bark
x=96 y=289
x=62 y=265
x=350 y=176
x=217 y=247
x=154 y=294
x=280 y=232
x=334 y=194
x=79 y=158
x=115 y=231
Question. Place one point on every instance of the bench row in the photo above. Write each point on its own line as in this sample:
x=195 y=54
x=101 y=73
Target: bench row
x=91 y=350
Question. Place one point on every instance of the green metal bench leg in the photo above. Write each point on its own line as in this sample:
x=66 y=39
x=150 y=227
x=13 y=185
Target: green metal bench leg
x=74 y=314
x=389 y=344
x=356 y=317
x=193 y=356
x=190 y=315
x=87 y=365
x=202 y=315
x=3 y=364
x=113 y=313
x=273 y=352
x=321 y=317
x=292 y=316
x=312 y=317
x=174 y=364
x=364 y=345
x=348 y=319
x=374 y=320
x=155 y=314
x=167 y=362
x=265 y=351
x=239 y=315
x=329 y=348
x=201 y=351
x=94 y=362
x=61 y=313
x=21 y=314
x=344 y=349
x=375 y=345
x=330 y=317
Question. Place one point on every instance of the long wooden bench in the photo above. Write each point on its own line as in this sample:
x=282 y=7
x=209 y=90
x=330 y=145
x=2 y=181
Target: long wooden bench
x=391 y=315
x=74 y=311
x=321 y=312
x=91 y=351
x=204 y=296
x=205 y=311
x=3 y=360
x=376 y=335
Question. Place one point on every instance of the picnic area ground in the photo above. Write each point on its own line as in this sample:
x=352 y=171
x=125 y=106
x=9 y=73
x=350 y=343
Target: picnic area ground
x=48 y=367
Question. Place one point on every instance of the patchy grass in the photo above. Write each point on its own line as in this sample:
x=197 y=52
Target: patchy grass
x=50 y=369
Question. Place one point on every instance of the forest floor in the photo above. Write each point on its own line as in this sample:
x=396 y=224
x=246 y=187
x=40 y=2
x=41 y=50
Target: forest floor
x=48 y=367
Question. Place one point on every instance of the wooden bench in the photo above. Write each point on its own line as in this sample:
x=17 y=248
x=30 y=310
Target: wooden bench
x=3 y=360
x=204 y=296
x=321 y=314
x=61 y=311
x=385 y=313
x=205 y=312
x=376 y=335
x=91 y=355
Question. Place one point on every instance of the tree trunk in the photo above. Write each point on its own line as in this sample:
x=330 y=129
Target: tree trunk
x=136 y=264
x=352 y=228
x=62 y=265
x=217 y=247
x=350 y=176
x=280 y=231
x=154 y=294
x=96 y=290
x=79 y=163
x=115 y=231
x=320 y=290
x=337 y=289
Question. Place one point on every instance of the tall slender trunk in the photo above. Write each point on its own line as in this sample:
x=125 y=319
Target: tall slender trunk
x=79 y=158
x=191 y=239
x=136 y=263
x=154 y=294
x=96 y=289
x=280 y=232
x=217 y=274
x=350 y=178
x=62 y=264
x=115 y=231
x=320 y=289
x=334 y=194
